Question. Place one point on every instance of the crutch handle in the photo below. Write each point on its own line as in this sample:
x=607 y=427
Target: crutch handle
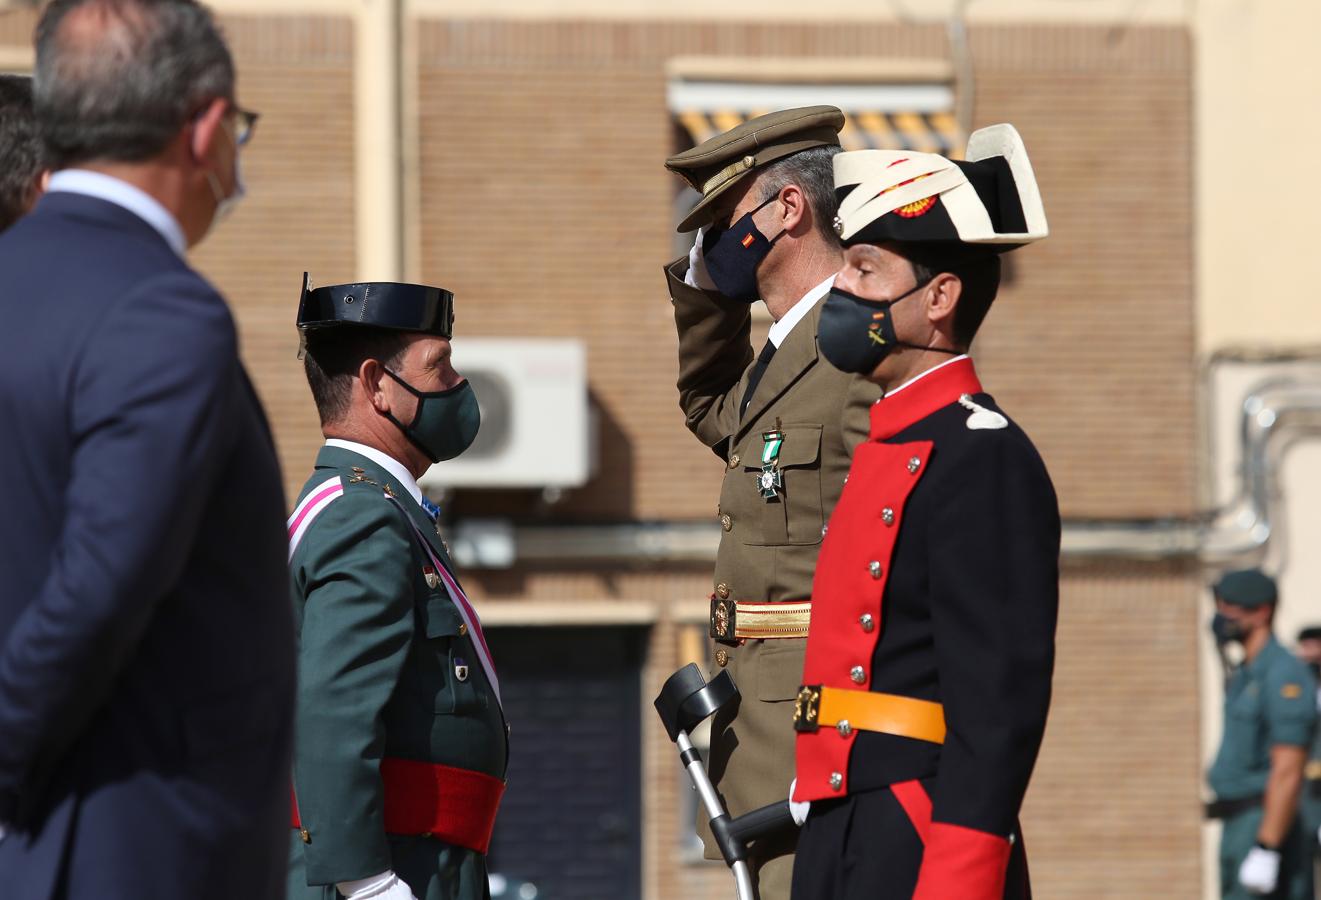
x=762 y=822
x=732 y=835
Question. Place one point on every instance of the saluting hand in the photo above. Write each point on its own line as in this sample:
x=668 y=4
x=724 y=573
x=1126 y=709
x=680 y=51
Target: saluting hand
x=697 y=275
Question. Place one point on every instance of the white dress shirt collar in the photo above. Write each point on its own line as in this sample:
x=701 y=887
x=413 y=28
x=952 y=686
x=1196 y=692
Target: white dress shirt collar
x=780 y=330
x=388 y=463
x=917 y=378
x=122 y=194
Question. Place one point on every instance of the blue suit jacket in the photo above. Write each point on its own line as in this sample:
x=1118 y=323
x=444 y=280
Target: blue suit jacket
x=146 y=642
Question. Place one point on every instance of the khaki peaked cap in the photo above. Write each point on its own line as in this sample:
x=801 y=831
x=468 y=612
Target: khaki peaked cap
x=716 y=165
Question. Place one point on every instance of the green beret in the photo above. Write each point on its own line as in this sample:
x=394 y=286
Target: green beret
x=1248 y=588
x=716 y=165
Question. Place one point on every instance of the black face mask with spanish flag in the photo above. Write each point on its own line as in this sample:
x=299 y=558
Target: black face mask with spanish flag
x=733 y=255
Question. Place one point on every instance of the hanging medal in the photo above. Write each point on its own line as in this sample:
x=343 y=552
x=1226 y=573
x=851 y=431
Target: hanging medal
x=770 y=480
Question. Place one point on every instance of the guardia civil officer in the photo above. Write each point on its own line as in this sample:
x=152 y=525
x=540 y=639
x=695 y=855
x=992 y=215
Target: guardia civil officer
x=401 y=741
x=784 y=426
x=1270 y=714
x=929 y=659
x=1309 y=651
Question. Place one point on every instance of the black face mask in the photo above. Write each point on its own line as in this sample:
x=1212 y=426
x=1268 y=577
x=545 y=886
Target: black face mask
x=733 y=255
x=1227 y=630
x=855 y=335
x=445 y=423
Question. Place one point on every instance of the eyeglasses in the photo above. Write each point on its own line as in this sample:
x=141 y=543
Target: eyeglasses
x=245 y=120
x=245 y=124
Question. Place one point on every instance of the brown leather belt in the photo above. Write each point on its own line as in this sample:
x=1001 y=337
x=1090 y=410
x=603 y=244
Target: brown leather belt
x=848 y=710
x=736 y=620
x=1227 y=809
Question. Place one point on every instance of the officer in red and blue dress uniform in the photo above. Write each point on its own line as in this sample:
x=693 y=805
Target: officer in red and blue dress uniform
x=931 y=646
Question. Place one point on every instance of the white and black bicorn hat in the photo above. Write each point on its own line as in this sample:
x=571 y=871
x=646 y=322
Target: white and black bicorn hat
x=987 y=203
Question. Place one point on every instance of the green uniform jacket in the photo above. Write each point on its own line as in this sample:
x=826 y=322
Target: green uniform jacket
x=378 y=650
x=767 y=549
x=1268 y=702
x=1310 y=802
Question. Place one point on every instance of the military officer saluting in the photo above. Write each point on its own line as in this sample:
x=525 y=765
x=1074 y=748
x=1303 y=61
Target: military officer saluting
x=1270 y=715
x=401 y=742
x=784 y=425
x=928 y=669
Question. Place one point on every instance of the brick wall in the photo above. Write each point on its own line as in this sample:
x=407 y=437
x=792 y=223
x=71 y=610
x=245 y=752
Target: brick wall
x=1113 y=809
x=298 y=73
x=544 y=203
x=543 y=142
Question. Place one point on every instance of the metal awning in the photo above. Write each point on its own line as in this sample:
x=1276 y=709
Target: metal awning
x=894 y=116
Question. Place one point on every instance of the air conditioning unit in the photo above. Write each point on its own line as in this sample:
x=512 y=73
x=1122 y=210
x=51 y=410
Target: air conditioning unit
x=536 y=425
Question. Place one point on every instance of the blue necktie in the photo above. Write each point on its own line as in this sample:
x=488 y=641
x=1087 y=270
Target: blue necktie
x=431 y=509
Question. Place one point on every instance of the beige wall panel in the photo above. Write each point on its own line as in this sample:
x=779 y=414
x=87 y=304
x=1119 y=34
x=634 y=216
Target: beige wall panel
x=545 y=207
x=16 y=27
x=1116 y=12
x=299 y=215
x=1259 y=92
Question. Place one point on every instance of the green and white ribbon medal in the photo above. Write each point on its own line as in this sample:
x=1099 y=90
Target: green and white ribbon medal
x=770 y=480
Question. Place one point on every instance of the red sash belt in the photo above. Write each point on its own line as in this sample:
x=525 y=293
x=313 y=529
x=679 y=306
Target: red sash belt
x=457 y=806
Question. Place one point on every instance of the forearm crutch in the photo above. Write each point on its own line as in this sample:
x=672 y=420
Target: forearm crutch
x=684 y=702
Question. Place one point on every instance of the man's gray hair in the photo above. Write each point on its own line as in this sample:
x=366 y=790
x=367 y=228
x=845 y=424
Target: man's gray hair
x=20 y=148
x=813 y=171
x=117 y=79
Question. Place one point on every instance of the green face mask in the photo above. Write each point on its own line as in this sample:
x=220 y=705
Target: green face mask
x=446 y=422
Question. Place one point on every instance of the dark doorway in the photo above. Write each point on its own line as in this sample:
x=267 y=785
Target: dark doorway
x=571 y=819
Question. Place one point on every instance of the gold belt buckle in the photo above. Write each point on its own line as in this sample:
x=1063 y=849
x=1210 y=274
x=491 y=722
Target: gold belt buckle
x=807 y=707
x=724 y=615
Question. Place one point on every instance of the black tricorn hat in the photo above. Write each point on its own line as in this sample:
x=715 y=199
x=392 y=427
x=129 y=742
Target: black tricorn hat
x=378 y=304
x=987 y=203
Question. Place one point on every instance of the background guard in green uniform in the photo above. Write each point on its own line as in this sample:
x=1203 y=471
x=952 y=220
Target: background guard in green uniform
x=1270 y=715
x=401 y=741
x=1309 y=651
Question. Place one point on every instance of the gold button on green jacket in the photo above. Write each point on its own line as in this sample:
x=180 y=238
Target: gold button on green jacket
x=768 y=547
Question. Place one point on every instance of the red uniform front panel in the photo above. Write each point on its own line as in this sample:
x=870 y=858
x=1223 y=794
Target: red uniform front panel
x=850 y=581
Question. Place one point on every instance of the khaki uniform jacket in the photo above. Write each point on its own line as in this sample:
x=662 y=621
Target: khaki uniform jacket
x=768 y=549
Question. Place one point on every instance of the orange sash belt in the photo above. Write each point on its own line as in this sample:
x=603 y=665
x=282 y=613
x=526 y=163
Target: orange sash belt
x=457 y=806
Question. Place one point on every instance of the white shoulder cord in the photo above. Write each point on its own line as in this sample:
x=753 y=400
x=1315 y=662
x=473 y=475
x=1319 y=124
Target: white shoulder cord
x=982 y=418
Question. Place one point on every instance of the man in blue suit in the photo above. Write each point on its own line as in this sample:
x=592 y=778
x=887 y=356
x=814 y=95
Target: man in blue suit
x=146 y=645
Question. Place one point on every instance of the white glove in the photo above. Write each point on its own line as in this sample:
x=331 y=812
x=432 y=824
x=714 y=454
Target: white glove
x=798 y=810
x=1260 y=870
x=385 y=886
x=697 y=276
